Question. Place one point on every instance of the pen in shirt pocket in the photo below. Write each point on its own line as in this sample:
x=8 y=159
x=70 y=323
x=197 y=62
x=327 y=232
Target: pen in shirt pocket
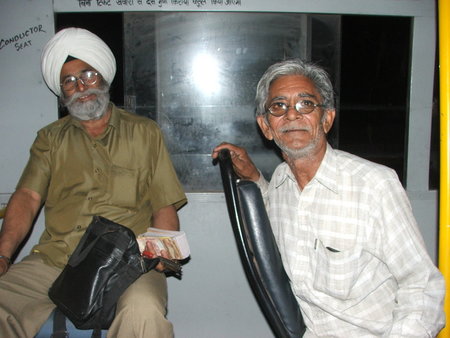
x=328 y=247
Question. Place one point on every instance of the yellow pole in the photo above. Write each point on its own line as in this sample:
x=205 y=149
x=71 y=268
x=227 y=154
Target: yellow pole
x=444 y=203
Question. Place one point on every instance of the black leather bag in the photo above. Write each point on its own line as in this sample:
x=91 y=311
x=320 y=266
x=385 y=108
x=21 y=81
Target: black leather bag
x=106 y=261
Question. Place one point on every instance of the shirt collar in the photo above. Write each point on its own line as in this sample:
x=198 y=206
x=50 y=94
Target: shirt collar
x=114 y=119
x=326 y=175
x=283 y=174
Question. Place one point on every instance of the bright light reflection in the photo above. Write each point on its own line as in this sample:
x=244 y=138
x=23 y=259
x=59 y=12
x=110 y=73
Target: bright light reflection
x=205 y=73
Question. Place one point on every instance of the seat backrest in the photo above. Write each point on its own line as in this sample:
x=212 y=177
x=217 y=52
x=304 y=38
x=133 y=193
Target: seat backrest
x=259 y=252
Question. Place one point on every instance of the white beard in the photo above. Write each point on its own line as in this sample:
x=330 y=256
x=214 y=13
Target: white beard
x=89 y=110
x=295 y=153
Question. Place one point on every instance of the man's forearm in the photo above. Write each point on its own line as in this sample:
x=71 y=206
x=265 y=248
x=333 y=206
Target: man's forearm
x=166 y=218
x=20 y=213
x=420 y=310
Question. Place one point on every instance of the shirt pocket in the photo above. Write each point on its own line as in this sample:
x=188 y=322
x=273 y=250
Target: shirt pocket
x=125 y=186
x=337 y=272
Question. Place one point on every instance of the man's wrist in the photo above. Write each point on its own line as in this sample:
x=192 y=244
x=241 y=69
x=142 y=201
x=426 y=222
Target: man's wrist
x=6 y=259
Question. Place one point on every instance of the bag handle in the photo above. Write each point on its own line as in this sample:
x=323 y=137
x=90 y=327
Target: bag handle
x=81 y=252
x=76 y=257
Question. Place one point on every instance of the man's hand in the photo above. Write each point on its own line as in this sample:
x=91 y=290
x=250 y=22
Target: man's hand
x=4 y=266
x=165 y=218
x=242 y=164
x=150 y=252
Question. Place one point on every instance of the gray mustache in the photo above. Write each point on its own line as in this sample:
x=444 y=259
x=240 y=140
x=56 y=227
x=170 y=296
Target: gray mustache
x=87 y=92
x=288 y=129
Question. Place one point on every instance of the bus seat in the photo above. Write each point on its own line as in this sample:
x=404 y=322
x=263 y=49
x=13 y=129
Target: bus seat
x=259 y=252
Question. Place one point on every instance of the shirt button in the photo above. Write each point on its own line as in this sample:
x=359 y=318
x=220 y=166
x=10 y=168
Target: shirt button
x=78 y=227
x=89 y=198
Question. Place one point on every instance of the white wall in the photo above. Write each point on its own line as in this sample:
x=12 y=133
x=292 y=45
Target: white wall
x=213 y=299
x=26 y=103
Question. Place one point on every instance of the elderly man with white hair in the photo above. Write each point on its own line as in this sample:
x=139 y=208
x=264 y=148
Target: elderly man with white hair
x=98 y=160
x=344 y=226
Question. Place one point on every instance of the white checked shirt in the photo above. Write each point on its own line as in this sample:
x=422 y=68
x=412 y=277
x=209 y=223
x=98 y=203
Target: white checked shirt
x=352 y=249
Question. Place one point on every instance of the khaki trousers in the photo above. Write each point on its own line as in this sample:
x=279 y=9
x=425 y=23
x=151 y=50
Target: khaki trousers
x=25 y=306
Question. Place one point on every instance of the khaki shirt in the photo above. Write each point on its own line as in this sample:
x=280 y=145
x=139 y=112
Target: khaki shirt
x=123 y=175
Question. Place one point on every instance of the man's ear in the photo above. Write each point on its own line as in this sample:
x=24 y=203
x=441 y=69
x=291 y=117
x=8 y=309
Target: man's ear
x=264 y=126
x=328 y=120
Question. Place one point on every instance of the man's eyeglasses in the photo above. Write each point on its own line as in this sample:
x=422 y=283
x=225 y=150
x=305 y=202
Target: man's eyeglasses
x=303 y=107
x=87 y=78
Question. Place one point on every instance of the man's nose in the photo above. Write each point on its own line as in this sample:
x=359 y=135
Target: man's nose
x=81 y=87
x=292 y=113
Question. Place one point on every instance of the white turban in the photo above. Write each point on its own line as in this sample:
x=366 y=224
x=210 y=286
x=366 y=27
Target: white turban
x=80 y=44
